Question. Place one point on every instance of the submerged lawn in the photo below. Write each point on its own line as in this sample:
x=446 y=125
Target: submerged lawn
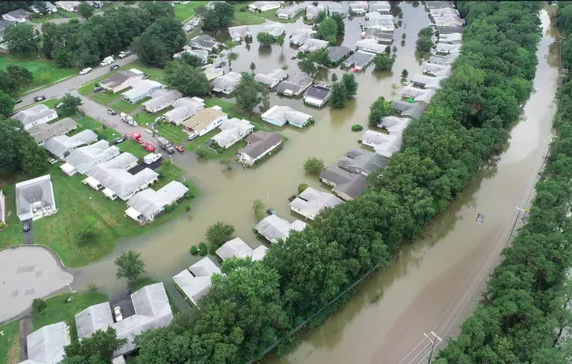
x=45 y=71
x=60 y=310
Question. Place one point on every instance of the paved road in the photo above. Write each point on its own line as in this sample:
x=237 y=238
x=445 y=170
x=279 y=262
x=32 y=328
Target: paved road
x=71 y=84
x=27 y=273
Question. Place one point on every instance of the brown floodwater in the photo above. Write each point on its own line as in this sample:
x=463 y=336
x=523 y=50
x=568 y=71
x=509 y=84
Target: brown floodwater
x=228 y=195
x=437 y=280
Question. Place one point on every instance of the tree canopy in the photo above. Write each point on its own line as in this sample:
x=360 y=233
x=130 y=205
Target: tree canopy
x=219 y=233
x=190 y=81
x=219 y=16
x=159 y=42
x=249 y=93
x=328 y=30
x=19 y=151
x=129 y=265
x=96 y=349
x=85 y=10
x=20 y=39
x=383 y=61
x=339 y=98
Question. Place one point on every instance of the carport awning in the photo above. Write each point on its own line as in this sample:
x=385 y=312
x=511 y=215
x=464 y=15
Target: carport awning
x=92 y=182
x=132 y=213
x=109 y=193
x=67 y=168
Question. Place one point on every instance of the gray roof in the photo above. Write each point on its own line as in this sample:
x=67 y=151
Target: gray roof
x=259 y=142
x=442 y=60
x=45 y=131
x=34 y=113
x=204 y=41
x=437 y=4
x=318 y=92
x=336 y=175
x=149 y=202
x=19 y=14
x=383 y=144
x=195 y=282
x=152 y=310
x=312 y=44
x=141 y=87
x=359 y=58
x=361 y=161
x=450 y=30
x=290 y=10
x=85 y=158
x=286 y=114
x=32 y=191
x=232 y=131
x=299 y=35
x=113 y=176
x=378 y=34
x=46 y=345
x=336 y=54
x=427 y=82
x=183 y=109
x=61 y=144
x=371 y=44
x=274 y=29
x=418 y=94
x=118 y=78
x=311 y=202
x=240 y=31
x=226 y=83
x=352 y=188
x=235 y=248
x=162 y=98
x=93 y=318
x=413 y=110
x=296 y=83
x=274 y=228
x=394 y=124
x=5 y=24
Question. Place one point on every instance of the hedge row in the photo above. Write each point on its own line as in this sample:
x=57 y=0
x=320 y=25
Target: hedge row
x=256 y=303
x=524 y=316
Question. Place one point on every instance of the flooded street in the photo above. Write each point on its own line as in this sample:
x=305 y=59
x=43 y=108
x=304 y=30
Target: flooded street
x=438 y=279
x=228 y=195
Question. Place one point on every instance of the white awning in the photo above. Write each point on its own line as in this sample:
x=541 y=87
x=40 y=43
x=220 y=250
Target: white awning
x=132 y=213
x=68 y=169
x=92 y=182
x=109 y=193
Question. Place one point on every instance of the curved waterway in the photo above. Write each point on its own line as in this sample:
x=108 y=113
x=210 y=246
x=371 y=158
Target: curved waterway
x=228 y=195
x=436 y=282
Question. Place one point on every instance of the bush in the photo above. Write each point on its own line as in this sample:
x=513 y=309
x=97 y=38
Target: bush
x=92 y=288
x=203 y=249
x=202 y=152
x=169 y=208
x=194 y=250
x=38 y=305
x=302 y=187
x=189 y=194
x=188 y=208
x=212 y=249
x=219 y=233
x=357 y=127
x=314 y=165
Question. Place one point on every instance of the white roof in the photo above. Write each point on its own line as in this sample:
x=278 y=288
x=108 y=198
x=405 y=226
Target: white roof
x=60 y=144
x=423 y=95
x=235 y=248
x=383 y=144
x=311 y=45
x=161 y=98
x=436 y=69
x=371 y=44
x=286 y=114
x=141 y=87
x=259 y=253
x=274 y=29
x=149 y=202
x=226 y=82
x=196 y=281
x=85 y=158
x=183 y=109
x=299 y=35
x=429 y=82
x=232 y=131
x=46 y=345
x=93 y=318
x=311 y=202
x=32 y=191
x=34 y=113
x=274 y=228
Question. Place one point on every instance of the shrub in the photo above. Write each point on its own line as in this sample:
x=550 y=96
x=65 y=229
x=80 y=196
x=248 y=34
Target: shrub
x=314 y=165
x=38 y=305
x=203 y=249
x=219 y=233
x=92 y=288
x=188 y=208
x=189 y=194
x=357 y=127
x=2 y=225
x=212 y=249
x=169 y=208
x=202 y=153
x=194 y=250
x=302 y=187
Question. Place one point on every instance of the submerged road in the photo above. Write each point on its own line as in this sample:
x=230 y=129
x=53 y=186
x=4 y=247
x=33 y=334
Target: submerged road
x=437 y=281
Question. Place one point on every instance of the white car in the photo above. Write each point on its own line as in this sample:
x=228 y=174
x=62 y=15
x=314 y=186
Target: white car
x=117 y=313
x=85 y=71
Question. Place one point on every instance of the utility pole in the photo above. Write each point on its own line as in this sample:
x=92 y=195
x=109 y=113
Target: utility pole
x=433 y=342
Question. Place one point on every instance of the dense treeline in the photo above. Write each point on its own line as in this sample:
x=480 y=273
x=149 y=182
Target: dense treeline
x=258 y=302
x=524 y=315
x=75 y=44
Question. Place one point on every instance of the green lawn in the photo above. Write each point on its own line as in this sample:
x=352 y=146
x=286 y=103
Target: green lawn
x=155 y=74
x=87 y=88
x=184 y=12
x=105 y=98
x=196 y=143
x=230 y=109
x=144 y=118
x=13 y=234
x=77 y=204
x=271 y=15
x=129 y=146
x=170 y=172
x=126 y=107
x=45 y=18
x=60 y=310
x=51 y=103
x=9 y=343
x=45 y=71
x=67 y=14
x=173 y=133
x=246 y=17
x=89 y=123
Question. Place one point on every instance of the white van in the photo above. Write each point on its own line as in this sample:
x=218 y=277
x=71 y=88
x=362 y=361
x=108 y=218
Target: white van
x=107 y=61
x=151 y=158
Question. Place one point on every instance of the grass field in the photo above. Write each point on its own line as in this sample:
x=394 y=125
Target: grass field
x=173 y=133
x=87 y=88
x=144 y=118
x=155 y=74
x=45 y=71
x=126 y=107
x=9 y=343
x=51 y=103
x=246 y=17
x=45 y=18
x=184 y=12
x=105 y=98
x=60 y=310
x=13 y=235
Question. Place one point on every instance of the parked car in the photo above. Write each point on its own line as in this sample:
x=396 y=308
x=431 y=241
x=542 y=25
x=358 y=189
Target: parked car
x=39 y=98
x=59 y=105
x=18 y=100
x=114 y=67
x=151 y=158
x=111 y=112
x=179 y=148
x=26 y=225
x=118 y=313
x=119 y=140
x=97 y=89
x=124 y=54
x=107 y=61
x=85 y=71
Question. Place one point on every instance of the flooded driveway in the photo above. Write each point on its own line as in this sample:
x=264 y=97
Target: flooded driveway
x=437 y=281
x=228 y=195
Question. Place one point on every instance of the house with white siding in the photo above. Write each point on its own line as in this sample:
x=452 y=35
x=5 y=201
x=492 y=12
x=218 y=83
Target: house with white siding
x=35 y=115
x=232 y=131
x=161 y=99
x=141 y=90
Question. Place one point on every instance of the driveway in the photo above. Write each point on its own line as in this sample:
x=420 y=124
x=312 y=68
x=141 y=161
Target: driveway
x=28 y=272
x=72 y=84
x=29 y=235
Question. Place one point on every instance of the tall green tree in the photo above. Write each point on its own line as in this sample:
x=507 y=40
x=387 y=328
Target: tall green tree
x=191 y=59
x=6 y=104
x=265 y=39
x=308 y=67
x=70 y=105
x=159 y=42
x=383 y=61
x=85 y=10
x=219 y=16
x=327 y=30
x=97 y=348
x=379 y=109
x=339 y=97
x=129 y=265
x=248 y=93
x=18 y=150
x=350 y=84
x=219 y=233
x=20 y=39
x=190 y=81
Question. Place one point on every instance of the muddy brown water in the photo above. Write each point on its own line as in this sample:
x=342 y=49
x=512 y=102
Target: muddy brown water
x=436 y=281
